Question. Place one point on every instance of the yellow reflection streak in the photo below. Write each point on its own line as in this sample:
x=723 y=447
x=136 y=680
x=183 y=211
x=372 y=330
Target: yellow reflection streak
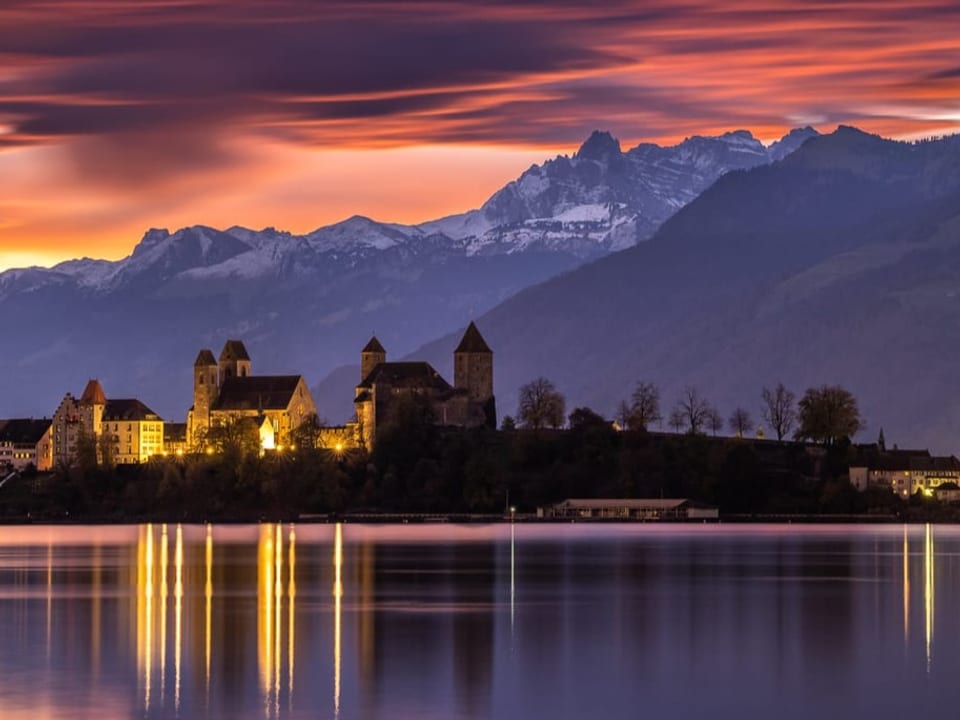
x=49 y=597
x=928 y=593
x=278 y=591
x=265 y=614
x=96 y=620
x=512 y=575
x=291 y=595
x=337 y=594
x=148 y=617
x=208 y=594
x=906 y=588
x=163 y=613
x=178 y=595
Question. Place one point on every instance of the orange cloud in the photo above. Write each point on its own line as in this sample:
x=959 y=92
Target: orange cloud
x=116 y=116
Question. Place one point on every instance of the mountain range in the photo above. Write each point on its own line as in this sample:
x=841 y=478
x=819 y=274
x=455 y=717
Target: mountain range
x=307 y=303
x=839 y=264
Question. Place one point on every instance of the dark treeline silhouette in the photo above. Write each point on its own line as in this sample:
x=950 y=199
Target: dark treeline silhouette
x=418 y=466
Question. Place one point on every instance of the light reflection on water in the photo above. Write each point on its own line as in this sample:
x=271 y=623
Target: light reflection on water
x=505 y=621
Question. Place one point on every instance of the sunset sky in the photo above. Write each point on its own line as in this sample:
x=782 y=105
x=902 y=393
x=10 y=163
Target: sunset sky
x=117 y=116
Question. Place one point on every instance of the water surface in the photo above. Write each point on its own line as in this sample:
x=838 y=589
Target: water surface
x=440 y=621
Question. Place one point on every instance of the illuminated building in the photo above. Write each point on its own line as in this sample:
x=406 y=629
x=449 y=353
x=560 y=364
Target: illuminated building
x=174 y=438
x=905 y=472
x=123 y=430
x=469 y=402
x=134 y=432
x=228 y=391
x=25 y=442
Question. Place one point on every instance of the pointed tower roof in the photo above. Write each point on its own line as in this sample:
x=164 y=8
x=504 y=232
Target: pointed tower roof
x=373 y=346
x=93 y=394
x=205 y=359
x=472 y=342
x=234 y=350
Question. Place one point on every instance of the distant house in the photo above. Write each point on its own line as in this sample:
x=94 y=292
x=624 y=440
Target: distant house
x=628 y=509
x=905 y=472
x=227 y=391
x=25 y=442
x=469 y=402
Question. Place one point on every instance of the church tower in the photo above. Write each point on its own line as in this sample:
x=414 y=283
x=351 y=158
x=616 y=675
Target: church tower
x=473 y=371
x=205 y=392
x=234 y=361
x=372 y=355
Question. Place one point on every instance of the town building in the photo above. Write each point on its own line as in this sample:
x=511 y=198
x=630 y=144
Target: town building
x=227 y=391
x=121 y=430
x=175 y=439
x=469 y=402
x=905 y=472
x=131 y=432
x=25 y=442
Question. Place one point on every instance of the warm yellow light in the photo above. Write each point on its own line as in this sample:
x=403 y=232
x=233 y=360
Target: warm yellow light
x=180 y=453
x=339 y=447
x=209 y=451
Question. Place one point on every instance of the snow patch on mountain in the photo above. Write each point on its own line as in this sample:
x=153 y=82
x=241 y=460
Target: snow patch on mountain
x=599 y=200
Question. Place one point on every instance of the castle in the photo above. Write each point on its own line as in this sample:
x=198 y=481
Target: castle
x=228 y=390
x=469 y=402
x=225 y=391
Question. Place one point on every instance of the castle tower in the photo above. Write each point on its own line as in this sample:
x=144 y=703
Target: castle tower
x=372 y=355
x=93 y=401
x=205 y=392
x=234 y=361
x=473 y=371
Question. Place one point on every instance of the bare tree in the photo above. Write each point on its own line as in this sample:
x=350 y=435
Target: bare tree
x=740 y=422
x=779 y=410
x=622 y=415
x=714 y=421
x=541 y=405
x=676 y=420
x=644 y=405
x=694 y=410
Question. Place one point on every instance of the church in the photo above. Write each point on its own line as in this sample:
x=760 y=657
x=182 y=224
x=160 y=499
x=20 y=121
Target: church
x=469 y=402
x=227 y=390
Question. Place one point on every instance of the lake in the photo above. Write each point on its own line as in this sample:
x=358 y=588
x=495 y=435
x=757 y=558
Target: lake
x=499 y=621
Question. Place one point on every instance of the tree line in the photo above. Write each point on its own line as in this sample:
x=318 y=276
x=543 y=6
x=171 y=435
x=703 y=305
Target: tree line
x=827 y=414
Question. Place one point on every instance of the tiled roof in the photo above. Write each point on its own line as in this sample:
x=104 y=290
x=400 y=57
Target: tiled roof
x=472 y=342
x=373 y=346
x=128 y=409
x=23 y=431
x=405 y=375
x=205 y=359
x=93 y=394
x=234 y=350
x=264 y=392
